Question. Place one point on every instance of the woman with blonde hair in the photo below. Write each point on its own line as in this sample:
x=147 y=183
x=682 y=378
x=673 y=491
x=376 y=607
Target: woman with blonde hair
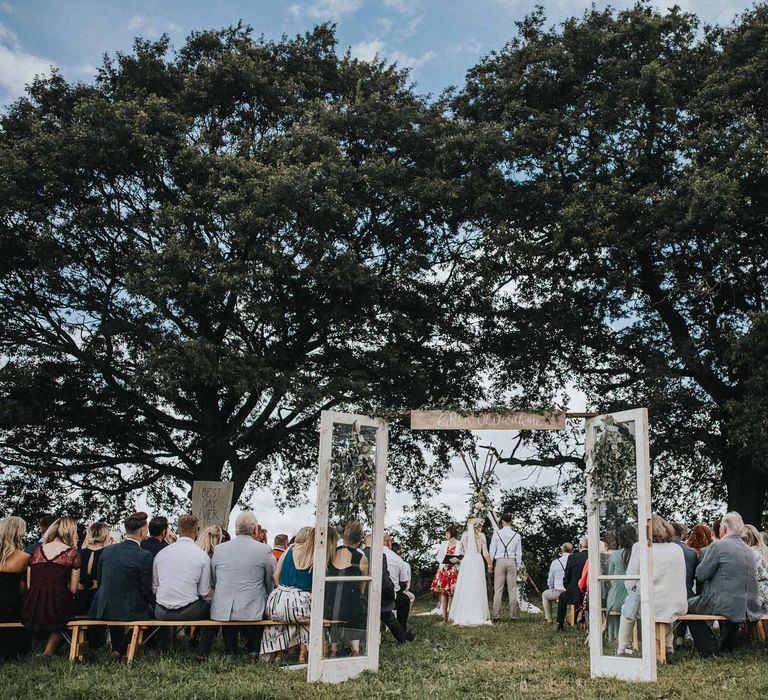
x=97 y=536
x=209 y=538
x=670 y=594
x=53 y=578
x=13 y=567
x=751 y=535
x=291 y=601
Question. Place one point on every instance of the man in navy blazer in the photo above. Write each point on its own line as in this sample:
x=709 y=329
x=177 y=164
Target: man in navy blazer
x=124 y=576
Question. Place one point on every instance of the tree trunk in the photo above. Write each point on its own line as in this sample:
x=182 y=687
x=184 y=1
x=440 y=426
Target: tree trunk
x=747 y=484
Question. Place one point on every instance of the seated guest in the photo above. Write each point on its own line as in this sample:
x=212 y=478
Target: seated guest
x=291 y=601
x=728 y=570
x=670 y=599
x=346 y=600
x=263 y=535
x=53 y=577
x=617 y=566
x=241 y=576
x=209 y=538
x=754 y=541
x=691 y=558
x=13 y=570
x=400 y=573
x=158 y=532
x=387 y=598
x=699 y=539
x=181 y=578
x=96 y=538
x=555 y=580
x=279 y=547
x=571 y=594
x=124 y=576
x=45 y=522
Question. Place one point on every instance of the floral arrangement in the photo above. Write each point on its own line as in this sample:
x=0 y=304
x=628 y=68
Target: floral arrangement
x=611 y=466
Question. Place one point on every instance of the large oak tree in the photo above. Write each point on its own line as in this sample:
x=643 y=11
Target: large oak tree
x=621 y=162
x=203 y=249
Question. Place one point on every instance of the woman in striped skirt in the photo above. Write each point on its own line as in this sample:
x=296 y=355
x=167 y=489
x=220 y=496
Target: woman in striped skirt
x=291 y=601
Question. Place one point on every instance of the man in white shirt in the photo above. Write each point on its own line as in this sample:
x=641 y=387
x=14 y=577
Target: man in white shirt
x=400 y=573
x=506 y=552
x=181 y=577
x=555 y=580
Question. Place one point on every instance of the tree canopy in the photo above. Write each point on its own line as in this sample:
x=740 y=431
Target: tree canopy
x=204 y=248
x=624 y=170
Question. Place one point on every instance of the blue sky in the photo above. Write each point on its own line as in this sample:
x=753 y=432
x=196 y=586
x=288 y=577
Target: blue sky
x=438 y=40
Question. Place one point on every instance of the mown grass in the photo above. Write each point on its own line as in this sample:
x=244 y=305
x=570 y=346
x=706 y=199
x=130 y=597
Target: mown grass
x=525 y=659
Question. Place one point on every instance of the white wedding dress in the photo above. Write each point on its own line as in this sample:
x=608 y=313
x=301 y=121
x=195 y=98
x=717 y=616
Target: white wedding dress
x=470 y=598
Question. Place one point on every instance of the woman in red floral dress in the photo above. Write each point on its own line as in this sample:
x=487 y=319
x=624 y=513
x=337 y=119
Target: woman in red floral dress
x=447 y=573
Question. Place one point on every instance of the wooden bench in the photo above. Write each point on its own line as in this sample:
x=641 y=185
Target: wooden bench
x=662 y=627
x=138 y=628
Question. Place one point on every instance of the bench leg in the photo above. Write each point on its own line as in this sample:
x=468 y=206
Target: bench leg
x=571 y=615
x=661 y=642
x=760 y=629
x=74 y=644
x=135 y=643
x=635 y=638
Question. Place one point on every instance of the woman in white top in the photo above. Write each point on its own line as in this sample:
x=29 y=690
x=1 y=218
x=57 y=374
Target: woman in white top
x=470 y=599
x=670 y=597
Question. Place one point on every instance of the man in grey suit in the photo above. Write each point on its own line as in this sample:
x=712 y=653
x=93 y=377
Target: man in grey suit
x=242 y=573
x=729 y=574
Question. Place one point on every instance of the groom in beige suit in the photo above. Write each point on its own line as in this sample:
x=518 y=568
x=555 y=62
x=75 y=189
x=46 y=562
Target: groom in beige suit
x=506 y=552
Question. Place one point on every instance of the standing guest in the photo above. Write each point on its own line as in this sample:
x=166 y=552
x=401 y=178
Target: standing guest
x=241 y=576
x=400 y=573
x=279 y=547
x=45 y=522
x=53 y=577
x=506 y=552
x=13 y=568
x=448 y=558
x=208 y=539
x=345 y=600
x=555 y=580
x=572 y=595
x=728 y=570
x=699 y=539
x=181 y=578
x=617 y=566
x=754 y=541
x=124 y=575
x=670 y=599
x=291 y=601
x=158 y=534
x=97 y=536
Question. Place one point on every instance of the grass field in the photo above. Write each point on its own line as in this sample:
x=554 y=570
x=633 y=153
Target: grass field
x=525 y=659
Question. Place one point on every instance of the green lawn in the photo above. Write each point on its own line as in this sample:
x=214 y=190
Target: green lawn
x=511 y=660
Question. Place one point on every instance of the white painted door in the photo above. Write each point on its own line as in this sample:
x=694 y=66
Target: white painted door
x=351 y=485
x=612 y=506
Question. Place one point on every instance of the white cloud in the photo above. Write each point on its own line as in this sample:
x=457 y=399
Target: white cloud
x=333 y=9
x=399 y=5
x=18 y=67
x=294 y=11
x=7 y=8
x=375 y=48
x=367 y=50
x=413 y=63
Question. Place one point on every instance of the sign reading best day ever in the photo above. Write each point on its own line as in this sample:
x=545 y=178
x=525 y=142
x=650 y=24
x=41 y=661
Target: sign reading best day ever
x=487 y=420
x=212 y=502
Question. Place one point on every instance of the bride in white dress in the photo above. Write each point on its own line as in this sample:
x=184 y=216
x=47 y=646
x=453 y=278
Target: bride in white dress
x=470 y=598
